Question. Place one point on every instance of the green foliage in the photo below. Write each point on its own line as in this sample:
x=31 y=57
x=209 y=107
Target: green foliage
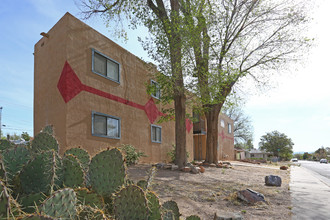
x=38 y=217
x=44 y=142
x=130 y=203
x=25 y=136
x=277 y=143
x=5 y=144
x=61 y=204
x=306 y=156
x=42 y=174
x=88 y=212
x=89 y=198
x=14 y=159
x=173 y=207
x=49 y=129
x=4 y=202
x=73 y=174
x=132 y=155
x=30 y=201
x=154 y=206
x=107 y=171
x=82 y=156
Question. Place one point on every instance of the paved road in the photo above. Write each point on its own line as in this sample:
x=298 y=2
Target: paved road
x=310 y=191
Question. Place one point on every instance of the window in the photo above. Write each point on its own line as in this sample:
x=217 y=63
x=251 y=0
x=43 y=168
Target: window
x=156 y=134
x=222 y=123
x=229 y=128
x=156 y=90
x=105 y=66
x=105 y=125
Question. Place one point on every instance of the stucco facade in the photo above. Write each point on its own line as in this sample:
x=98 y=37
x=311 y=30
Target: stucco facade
x=225 y=138
x=72 y=94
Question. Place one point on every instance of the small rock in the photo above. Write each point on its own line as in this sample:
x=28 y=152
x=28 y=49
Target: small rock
x=167 y=166
x=232 y=216
x=250 y=196
x=226 y=162
x=202 y=169
x=273 y=180
x=186 y=169
x=283 y=167
x=198 y=163
x=195 y=170
x=174 y=167
x=160 y=165
x=213 y=165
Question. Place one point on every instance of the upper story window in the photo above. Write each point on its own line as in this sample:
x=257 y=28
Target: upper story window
x=105 y=66
x=156 y=134
x=222 y=123
x=156 y=90
x=229 y=128
x=105 y=125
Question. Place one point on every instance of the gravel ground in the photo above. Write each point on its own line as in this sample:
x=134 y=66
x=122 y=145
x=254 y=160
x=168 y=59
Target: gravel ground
x=215 y=190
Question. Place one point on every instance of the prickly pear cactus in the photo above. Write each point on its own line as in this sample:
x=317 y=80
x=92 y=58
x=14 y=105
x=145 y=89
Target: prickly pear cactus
x=30 y=201
x=14 y=159
x=87 y=212
x=37 y=217
x=107 y=171
x=61 y=204
x=154 y=206
x=73 y=174
x=143 y=184
x=49 y=129
x=82 y=156
x=5 y=144
x=193 y=217
x=172 y=206
x=4 y=201
x=130 y=203
x=42 y=174
x=168 y=215
x=86 y=197
x=3 y=173
x=44 y=142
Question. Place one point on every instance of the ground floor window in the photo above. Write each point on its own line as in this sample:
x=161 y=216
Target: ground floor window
x=105 y=125
x=156 y=134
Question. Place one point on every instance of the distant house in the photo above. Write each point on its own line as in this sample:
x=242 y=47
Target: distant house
x=254 y=153
x=240 y=154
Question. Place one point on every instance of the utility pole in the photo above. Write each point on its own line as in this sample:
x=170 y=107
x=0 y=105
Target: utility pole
x=0 y=120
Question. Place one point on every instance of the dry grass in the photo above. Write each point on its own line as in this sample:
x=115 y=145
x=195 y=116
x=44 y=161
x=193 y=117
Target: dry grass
x=215 y=191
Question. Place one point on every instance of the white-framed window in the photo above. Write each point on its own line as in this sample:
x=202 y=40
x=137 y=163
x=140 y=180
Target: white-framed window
x=156 y=134
x=229 y=128
x=222 y=123
x=107 y=126
x=105 y=66
x=156 y=89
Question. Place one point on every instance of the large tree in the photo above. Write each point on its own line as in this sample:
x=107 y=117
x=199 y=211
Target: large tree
x=277 y=143
x=163 y=20
x=234 y=39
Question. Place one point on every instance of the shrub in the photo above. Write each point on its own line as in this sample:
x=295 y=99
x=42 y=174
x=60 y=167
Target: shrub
x=171 y=154
x=132 y=156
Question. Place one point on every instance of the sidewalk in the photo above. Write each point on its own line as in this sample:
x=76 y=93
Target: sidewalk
x=310 y=196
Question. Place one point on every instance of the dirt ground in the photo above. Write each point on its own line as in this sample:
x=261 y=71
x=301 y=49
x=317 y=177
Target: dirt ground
x=215 y=191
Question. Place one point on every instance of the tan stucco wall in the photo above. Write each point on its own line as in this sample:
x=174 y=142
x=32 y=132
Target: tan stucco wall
x=74 y=119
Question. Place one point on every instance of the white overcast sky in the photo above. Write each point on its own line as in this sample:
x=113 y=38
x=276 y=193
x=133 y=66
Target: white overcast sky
x=298 y=106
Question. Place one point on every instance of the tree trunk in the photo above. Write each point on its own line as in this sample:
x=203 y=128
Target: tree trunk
x=180 y=130
x=212 y=120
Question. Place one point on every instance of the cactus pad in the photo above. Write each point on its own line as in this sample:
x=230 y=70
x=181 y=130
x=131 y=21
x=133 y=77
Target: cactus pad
x=37 y=217
x=82 y=156
x=5 y=144
x=86 y=197
x=107 y=171
x=49 y=129
x=143 y=184
x=61 y=204
x=130 y=203
x=4 y=201
x=168 y=215
x=87 y=212
x=73 y=174
x=172 y=206
x=154 y=206
x=42 y=173
x=30 y=201
x=14 y=159
x=44 y=142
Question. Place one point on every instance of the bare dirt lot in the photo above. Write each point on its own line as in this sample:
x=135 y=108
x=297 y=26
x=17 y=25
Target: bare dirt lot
x=215 y=191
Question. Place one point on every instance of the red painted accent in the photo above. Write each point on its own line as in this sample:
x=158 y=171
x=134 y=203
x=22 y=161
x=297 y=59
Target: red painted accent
x=69 y=86
x=223 y=136
x=189 y=125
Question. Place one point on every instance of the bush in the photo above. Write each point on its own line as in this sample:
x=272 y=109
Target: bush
x=132 y=156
